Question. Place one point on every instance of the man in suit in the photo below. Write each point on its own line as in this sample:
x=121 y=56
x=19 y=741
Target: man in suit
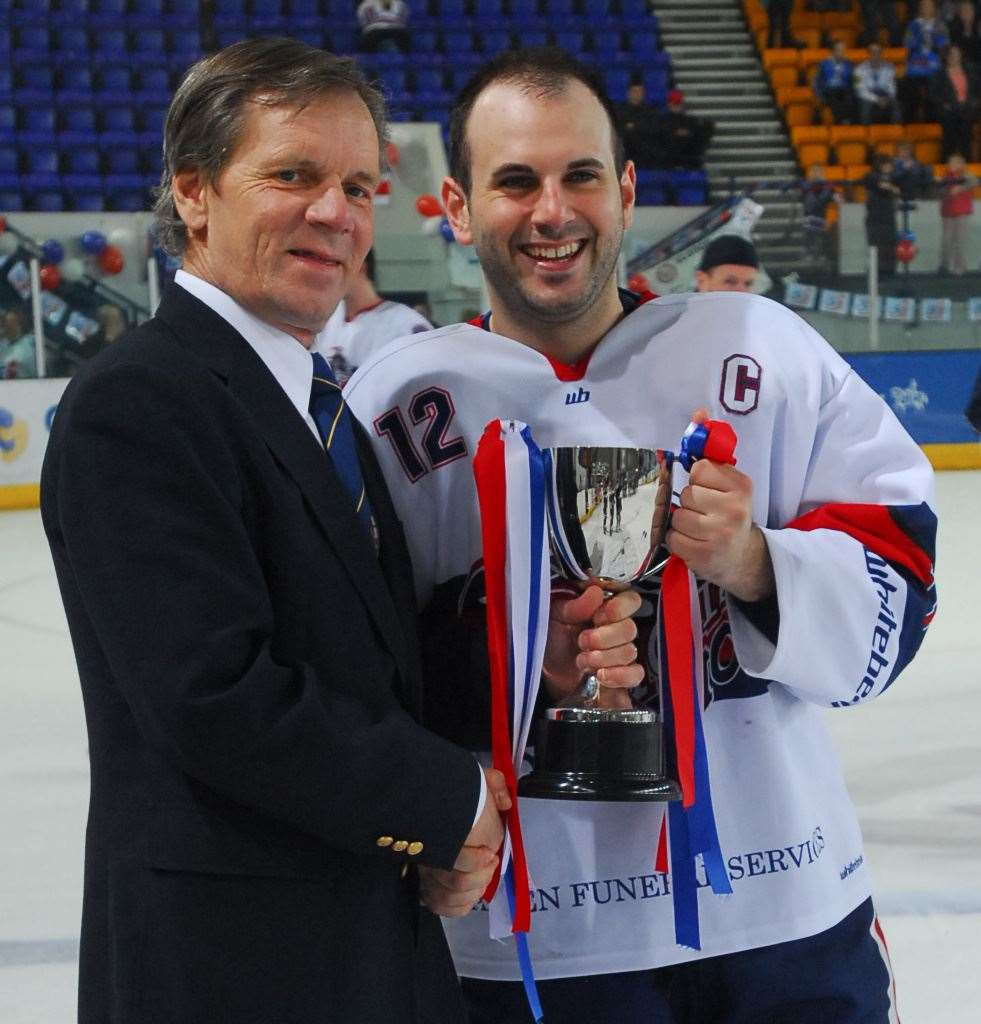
x=241 y=605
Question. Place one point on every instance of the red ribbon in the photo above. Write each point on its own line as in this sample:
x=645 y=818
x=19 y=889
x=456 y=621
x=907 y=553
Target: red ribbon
x=489 y=473
x=676 y=604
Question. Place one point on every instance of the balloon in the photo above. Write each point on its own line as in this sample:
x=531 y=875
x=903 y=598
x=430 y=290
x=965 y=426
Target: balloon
x=93 y=242
x=392 y=154
x=50 y=277
x=906 y=251
x=428 y=206
x=73 y=269
x=3 y=224
x=430 y=226
x=111 y=260
x=120 y=237
x=638 y=283
x=446 y=231
x=52 y=251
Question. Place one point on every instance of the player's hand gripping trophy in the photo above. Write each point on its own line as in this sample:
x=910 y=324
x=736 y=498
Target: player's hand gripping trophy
x=608 y=514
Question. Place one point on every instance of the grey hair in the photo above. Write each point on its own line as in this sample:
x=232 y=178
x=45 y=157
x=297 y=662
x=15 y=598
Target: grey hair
x=207 y=114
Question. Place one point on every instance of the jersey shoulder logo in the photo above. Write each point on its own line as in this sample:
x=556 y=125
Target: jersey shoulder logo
x=577 y=397
x=742 y=378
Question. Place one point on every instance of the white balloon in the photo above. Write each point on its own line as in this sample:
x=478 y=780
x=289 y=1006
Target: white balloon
x=120 y=237
x=8 y=244
x=72 y=269
x=430 y=225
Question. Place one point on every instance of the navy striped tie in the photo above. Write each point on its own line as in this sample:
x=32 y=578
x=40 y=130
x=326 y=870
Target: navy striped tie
x=334 y=424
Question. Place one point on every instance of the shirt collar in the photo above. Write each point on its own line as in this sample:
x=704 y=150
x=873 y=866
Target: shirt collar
x=286 y=359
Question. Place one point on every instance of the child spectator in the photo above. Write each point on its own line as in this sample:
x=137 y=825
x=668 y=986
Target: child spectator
x=833 y=84
x=880 y=212
x=956 y=208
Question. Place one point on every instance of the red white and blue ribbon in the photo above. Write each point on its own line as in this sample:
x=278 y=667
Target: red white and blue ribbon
x=510 y=473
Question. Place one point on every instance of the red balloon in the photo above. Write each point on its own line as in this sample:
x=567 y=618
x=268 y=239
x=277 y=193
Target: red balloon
x=906 y=251
x=429 y=206
x=392 y=154
x=3 y=224
x=50 y=277
x=638 y=283
x=111 y=260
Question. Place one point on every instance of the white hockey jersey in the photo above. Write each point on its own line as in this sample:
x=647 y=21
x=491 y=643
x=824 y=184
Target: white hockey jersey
x=844 y=497
x=346 y=344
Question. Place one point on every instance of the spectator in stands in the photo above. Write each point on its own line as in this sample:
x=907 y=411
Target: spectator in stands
x=112 y=321
x=639 y=123
x=729 y=264
x=926 y=39
x=956 y=209
x=876 y=15
x=956 y=100
x=817 y=194
x=779 y=34
x=965 y=32
x=913 y=179
x=875 y=88
x=18 y=356
x=833 y=84
x=384 y=26
x=880 y=212
x=682 y=138
x=364 y=322
x=926 y=31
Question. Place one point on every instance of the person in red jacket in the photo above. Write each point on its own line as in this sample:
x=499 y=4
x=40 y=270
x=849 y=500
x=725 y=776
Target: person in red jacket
x=956 y=207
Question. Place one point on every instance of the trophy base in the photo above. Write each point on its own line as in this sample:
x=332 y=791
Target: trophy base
x=596 y=754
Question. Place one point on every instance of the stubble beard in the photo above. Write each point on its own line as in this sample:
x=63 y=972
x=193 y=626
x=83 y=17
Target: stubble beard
x=521 y=304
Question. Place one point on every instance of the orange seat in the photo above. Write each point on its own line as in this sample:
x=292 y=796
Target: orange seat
x=811 y=58
x=784 y=75
x=809 y=133
x=804 y=20
x=779 y=58
x=851 y=152
x=800 y=112
x=848 y=36
x=916 y=131
x=848 y=133
x=836 y=175
x=839 y=19
x=927 y=151
x=895 y=54
x=810 y=37
x=854 y=174
x=856 y=56
x=793 y=94
x=886 y=133
x=809 y=153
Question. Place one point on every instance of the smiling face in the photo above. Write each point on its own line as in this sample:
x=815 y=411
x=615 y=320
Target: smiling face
x=285 y=228
x=546 y=210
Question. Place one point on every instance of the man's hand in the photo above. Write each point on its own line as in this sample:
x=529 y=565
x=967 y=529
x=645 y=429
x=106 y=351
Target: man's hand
x=587 y=634
x=453 y=893
x=714 y=533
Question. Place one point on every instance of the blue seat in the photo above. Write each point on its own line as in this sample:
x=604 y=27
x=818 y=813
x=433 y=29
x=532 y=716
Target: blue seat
x=487 y=8
x=303 y=8
x=231 y=32
x=71 y=40
x=79 y=118
x=617 y=81
x=118 y=137
x=83 y=160
x=652 y=195
x=153 y=119
x=122 y=161
x=451 y=8
x=558 y=8
x=148 y=39
x=494 y=42
x=267 y=8
x=595 y=8
x=424 y=41
x=114 y=81
x=11 y=200
x=571 y=40
x=38 y=120
x=643 y=42
x=342 y=40
x=109 y=41
x=88 y=202
x=73 y=7
x=429 y=80
x=606 y=38
x=70 y=139
x=147 y=7
x=633 y=9
x=44 y=199
x=524 y=9
x=32 y=38
x=75 y=184
x=9 y=160
x=457 y=40
x=153 y=161
x=656 y=85
x=267 y=25
x=118 y=119
x=125 y=192
x=6 y=82
x=235 y=7
x=341 y=9
x=75 y=78
x=115 y=7
x=393 y=81
x=35 y=78
x=42 y=160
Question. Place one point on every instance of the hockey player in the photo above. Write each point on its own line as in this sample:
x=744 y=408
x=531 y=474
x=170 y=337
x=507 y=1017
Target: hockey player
x=814 y=555
x=364 y=322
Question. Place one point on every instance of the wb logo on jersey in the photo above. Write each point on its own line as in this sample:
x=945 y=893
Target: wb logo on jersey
x=577 y=397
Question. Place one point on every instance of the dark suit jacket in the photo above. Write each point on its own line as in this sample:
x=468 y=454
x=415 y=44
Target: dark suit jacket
x=249 y=673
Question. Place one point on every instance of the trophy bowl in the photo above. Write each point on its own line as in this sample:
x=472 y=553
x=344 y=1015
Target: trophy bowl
x=608 y=513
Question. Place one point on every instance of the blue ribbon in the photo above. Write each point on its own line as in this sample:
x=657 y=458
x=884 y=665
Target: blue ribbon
x=524 y=954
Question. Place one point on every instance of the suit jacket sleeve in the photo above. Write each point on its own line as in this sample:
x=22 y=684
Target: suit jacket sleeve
x=150 y=509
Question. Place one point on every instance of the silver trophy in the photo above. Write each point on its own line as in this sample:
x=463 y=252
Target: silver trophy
x=608 y=513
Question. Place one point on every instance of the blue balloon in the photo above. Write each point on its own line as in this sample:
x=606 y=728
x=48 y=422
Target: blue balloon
x=93 y=242
x=52 y=251
x=446 y=231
